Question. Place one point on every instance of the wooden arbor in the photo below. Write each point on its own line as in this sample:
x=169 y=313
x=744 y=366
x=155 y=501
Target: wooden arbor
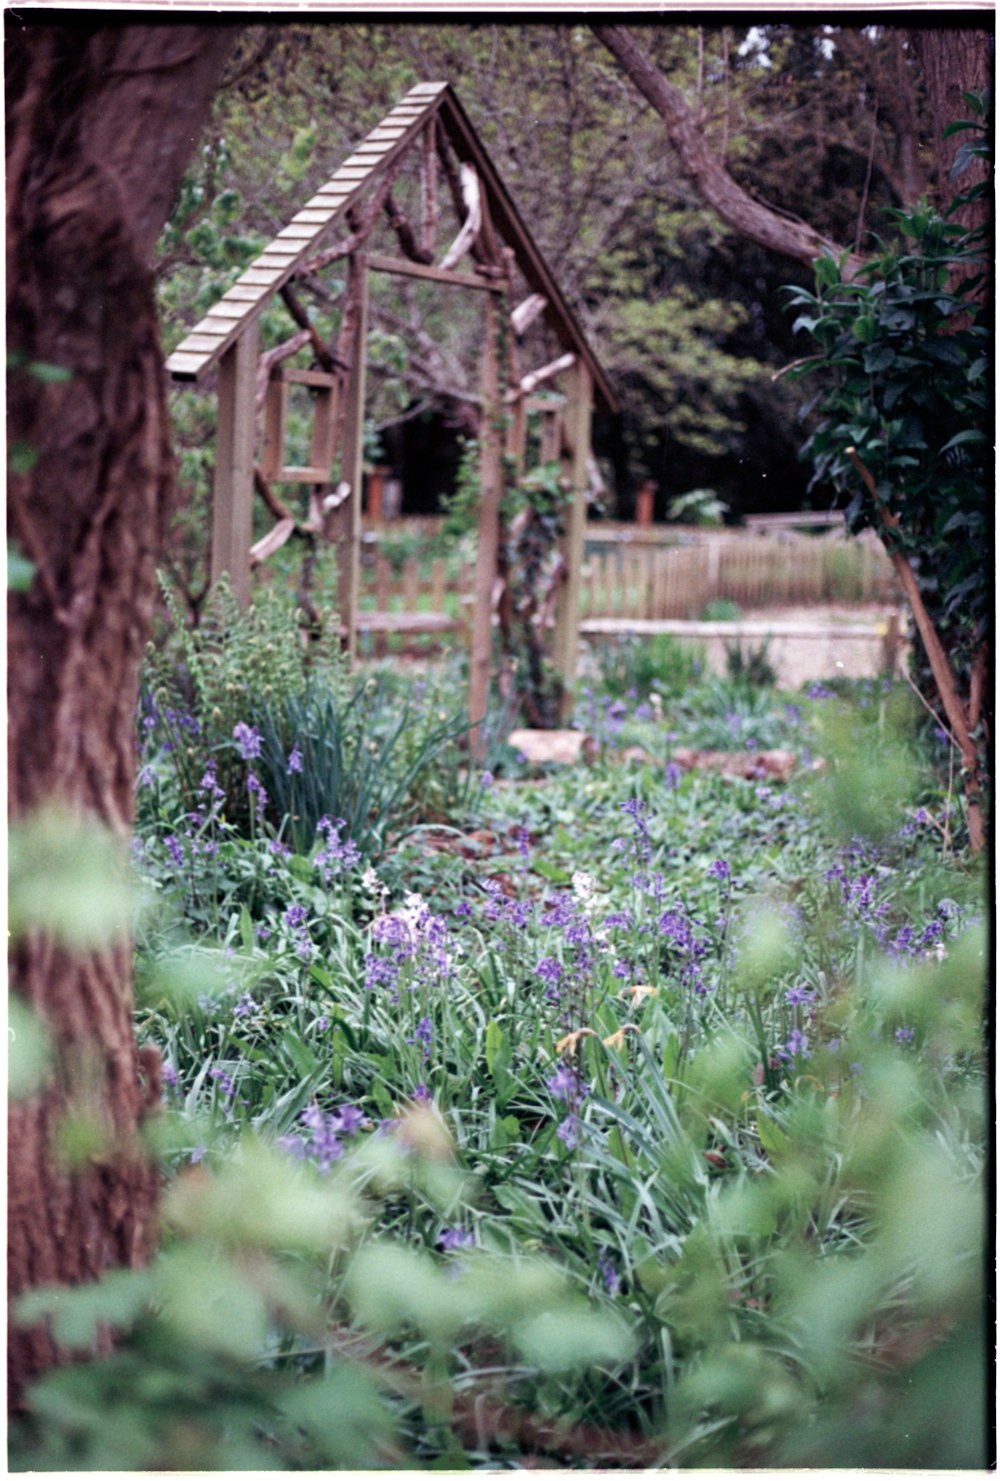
x=429 y=133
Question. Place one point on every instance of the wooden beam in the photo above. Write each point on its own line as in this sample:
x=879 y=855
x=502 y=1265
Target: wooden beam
x=272 y=455
x=527 y=312
x=491 y=484
x=577 y=423
x=342 y=523
x=469 y=230
x=428 y=187
x=406 y=269
x=232 y=511
x=536 y=378
x=508 y=221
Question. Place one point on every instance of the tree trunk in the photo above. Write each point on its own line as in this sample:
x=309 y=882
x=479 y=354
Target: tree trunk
x=954 y=61
x=100 y=123
x=751 y=218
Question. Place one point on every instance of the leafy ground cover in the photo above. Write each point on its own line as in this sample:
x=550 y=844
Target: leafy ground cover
x=599 y=1115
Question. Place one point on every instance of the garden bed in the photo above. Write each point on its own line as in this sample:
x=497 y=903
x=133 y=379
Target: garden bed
x=616 y=1112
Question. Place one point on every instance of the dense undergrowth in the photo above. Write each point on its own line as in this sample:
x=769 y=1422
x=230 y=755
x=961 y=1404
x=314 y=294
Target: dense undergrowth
x=613 y=1115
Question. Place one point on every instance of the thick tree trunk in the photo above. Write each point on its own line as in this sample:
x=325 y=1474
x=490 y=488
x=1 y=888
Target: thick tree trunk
x=100 y=123
x=751 y=218
x=954 y=61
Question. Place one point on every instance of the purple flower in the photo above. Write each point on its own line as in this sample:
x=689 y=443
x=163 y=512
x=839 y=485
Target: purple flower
x=566 y=1084
x=420 y=1092
x=568 y=1132
x=423 y=1035
x=245 y=1006
x=456 y=1239
x=351 y=1120
x=225 y=1082
x=175 y=849
x=796 y=995
x=247 y=738
x=323 y=1143
x=672 y=776
x=719 y=870
x=294 y=761
x=198 y=1153
x=607 y=1272
x=295 y=916
x=170 y=1076
x=797 y=1044
x=321 y=1024
x=904 y=1035
x=486 y=780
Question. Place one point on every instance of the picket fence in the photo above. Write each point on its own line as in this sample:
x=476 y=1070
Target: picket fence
x=629 y=572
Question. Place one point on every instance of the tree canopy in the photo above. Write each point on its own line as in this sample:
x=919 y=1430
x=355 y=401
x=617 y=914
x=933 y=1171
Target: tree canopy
x=827 y=124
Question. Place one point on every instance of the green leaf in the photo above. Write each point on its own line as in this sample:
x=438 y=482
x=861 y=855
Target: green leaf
x=21 y=458
x=20 y=571
x=29 y=1049
x=68 y=877
x=77 y=1312
x=493 y=1042
x=53 y=375
x=573 y=1337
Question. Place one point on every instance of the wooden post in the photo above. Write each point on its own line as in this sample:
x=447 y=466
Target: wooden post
x=272 y=457
x=491 y=483
x=577 y=423
x=232 y=509
x=890 y=644
x=343 y=523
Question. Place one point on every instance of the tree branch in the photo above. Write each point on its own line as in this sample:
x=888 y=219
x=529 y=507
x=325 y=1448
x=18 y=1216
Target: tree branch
x=944 y=674
x=751 y=218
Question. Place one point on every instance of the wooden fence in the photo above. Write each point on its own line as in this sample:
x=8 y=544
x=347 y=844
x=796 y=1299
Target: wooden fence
x=628 y=573
x=643 y=580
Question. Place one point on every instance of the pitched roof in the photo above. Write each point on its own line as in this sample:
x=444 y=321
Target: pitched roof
x=200 y=351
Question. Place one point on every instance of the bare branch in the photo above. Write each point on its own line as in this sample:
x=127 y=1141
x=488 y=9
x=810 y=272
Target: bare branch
x=473 y=219
x=751 y=218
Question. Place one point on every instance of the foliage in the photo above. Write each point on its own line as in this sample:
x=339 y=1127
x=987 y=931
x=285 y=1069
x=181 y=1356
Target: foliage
x=630 y=666
x=697 y=507
x=641 y=1121
x=820 y=120
x=747 y=663
x=905 y=356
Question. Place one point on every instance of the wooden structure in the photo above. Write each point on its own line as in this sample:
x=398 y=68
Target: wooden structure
x=429 y=133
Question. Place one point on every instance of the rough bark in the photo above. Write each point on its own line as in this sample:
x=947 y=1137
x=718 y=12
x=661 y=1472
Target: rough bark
x=100 y=123
x=954 y=61
x=751 y=218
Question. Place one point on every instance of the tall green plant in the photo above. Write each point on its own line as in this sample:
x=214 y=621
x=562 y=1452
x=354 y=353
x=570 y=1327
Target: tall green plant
x=905 y=357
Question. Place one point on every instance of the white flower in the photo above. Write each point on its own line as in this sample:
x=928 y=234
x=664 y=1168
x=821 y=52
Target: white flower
x=584 y=886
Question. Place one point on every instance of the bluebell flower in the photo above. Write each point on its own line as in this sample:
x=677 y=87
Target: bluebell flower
x=456 y=1239
x=608 y=1272
x=796 y=1044
x=568 y=1132
x=566 y=1084
x=248 y=741
x=294 y=761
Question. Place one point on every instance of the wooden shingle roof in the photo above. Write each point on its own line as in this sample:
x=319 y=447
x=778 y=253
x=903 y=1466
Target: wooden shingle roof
x=200 y=351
